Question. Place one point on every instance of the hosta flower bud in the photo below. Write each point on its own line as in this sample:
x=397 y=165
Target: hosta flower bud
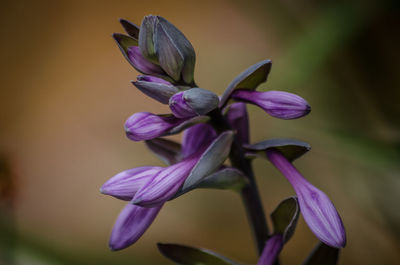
x=145 y=126
x=192 y=102
x=279 y=104
x=156 y=88
x=130 y=225
x=317 y=209
x=125 y=184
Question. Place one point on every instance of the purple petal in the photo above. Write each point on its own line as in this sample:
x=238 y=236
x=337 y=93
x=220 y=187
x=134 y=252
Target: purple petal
x=279 y=104
x=316 y=208
x=165 y=184
x=239 y=120
x=179 y=107
x=271 y=250
x=145 y=126
x=148 y=78
x=130 y=225
x=141 y=63
x=124 y=185
x=197 y=137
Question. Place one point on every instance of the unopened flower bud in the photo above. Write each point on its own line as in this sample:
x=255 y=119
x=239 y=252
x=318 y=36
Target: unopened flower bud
x=145 y=126
x=156 y=88
x=279 y=104
x=141 y=63
x=317 y=209
x=192 y=102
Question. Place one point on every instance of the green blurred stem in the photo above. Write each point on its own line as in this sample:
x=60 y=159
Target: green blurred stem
x=250 y=196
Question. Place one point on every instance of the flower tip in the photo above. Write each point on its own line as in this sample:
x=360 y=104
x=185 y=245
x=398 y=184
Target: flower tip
x=136 y=201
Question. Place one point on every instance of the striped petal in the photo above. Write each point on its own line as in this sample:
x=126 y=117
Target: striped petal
x=124 y=185
x=317 y=209
x=130 y=225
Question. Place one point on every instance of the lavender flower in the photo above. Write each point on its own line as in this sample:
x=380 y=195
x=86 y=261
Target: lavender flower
x=192 y=102
x=279 y=104
x=130 y=225
x=144 y=125
x=317 y=209
x=196 y=137
x=271 y=250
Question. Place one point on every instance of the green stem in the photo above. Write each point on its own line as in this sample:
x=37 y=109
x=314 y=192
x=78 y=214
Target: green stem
x=250 y=196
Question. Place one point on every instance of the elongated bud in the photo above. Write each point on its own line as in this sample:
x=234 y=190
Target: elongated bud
x=279 y=104
x=145 y=126
x=130 y=225
x=124 y=185
x=316 y=208
x=156 y=88
x=192 y=102
x=196 y=137
x=174 y=52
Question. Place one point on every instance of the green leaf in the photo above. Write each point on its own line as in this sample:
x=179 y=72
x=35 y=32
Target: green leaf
x=211 y=159
x=251 y=78
x=226 y=178
x=185 y=255
x=168 y=151
x=323 y=255
x=284 y=218
x=290 y=148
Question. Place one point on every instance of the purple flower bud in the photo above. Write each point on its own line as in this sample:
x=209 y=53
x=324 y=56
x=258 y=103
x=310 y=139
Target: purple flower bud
x=279 y=104
x=130 y=225
x=271 y=250
x=124 y=185
x=156 y=88
x=142 y=64
x=165 y=184
x=192 y=102
x=317 y=209
x=145 y=126
x=239 y=120
x=196 y=138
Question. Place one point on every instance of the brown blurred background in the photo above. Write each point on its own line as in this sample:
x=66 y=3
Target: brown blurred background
x=65 y=94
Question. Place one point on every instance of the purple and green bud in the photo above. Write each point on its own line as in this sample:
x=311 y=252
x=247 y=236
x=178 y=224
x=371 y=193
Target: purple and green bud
x=317 y=209
x=130 y=225
x=163 y=44
x=279 y=104
x=193 y=102
x=125 y=184
x=238 y=119
x=156 y=88
x=145 y=126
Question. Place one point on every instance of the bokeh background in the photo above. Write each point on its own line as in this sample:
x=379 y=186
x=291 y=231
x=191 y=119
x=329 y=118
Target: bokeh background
x=65 y=94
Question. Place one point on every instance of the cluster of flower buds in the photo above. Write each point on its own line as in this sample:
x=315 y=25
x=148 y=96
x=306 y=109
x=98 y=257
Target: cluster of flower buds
x=214 y=128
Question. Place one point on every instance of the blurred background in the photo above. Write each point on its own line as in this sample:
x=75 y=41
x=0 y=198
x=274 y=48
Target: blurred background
x=65 y=95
